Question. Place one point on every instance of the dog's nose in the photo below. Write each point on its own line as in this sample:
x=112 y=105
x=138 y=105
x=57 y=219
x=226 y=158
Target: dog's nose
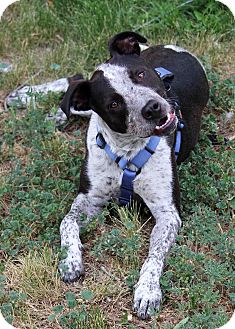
x=152 y=110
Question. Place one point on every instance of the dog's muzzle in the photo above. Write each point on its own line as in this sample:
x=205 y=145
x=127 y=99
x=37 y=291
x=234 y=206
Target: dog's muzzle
x=167 y=124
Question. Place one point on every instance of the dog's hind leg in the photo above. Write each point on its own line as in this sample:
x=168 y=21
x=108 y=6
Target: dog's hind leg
x=19 y=98
x=148 y=292
x=82 y=210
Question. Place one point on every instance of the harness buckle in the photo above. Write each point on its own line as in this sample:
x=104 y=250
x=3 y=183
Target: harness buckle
x=180 y=124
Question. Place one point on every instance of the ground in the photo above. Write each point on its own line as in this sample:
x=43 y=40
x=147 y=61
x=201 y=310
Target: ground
x=39 y=173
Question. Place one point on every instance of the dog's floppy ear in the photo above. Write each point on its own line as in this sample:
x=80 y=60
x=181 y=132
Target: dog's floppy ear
x=77 y=95
x=126 y=43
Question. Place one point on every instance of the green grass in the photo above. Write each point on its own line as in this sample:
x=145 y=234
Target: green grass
x=39 y=174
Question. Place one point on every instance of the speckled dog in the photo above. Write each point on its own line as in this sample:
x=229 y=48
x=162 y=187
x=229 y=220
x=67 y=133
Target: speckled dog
x=131 y=103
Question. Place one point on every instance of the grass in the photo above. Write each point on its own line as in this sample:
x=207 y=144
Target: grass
x=39 y=174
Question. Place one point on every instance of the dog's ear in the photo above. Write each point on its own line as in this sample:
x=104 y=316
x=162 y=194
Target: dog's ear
x=77 y=95
x=126 y=43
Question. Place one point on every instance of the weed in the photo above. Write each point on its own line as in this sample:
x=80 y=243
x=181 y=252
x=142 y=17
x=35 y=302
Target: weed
x=123 y=239
x=81 y=317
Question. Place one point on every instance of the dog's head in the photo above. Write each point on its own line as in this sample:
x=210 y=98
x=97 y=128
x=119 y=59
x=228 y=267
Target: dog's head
x=125 y=92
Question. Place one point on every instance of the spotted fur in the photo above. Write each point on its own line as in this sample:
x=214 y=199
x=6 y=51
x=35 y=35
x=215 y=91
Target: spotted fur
x=105 y=177
x=127 y=131
x=136 y=97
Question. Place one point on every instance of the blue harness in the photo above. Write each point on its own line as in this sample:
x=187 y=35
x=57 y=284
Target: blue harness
x=139 y=160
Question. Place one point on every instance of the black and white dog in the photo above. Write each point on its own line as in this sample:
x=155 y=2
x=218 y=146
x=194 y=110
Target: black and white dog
x=130 y=146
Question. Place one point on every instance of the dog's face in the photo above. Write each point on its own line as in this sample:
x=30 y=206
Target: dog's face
x=127 y=94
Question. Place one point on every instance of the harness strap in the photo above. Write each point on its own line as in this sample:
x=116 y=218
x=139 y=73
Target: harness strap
x=164 y=73
x=143 y=155
x=167 y=76
x=126 y=189
x=180 y=126
x=178 y=138
x=139 y=160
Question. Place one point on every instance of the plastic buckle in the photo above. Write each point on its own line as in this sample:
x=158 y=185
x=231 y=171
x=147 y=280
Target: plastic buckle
x=180 y=124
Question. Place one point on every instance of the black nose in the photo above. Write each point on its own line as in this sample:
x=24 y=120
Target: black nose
x=152 y=110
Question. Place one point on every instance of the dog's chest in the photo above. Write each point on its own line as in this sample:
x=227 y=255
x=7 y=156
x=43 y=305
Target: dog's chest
x=153 y=182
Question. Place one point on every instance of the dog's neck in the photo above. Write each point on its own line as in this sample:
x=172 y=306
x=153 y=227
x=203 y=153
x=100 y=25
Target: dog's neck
x=121 y=144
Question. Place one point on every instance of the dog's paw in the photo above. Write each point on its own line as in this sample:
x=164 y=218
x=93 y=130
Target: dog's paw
x=71 y=269
x=147 y=299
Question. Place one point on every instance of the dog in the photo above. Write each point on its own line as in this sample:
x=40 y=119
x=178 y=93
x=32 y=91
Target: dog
x=141 y=103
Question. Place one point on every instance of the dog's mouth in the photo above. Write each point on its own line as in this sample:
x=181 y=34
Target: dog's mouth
x=166 y=124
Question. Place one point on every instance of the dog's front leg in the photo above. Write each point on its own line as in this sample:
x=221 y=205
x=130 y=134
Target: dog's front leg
x=71 y=268
x=148 y=292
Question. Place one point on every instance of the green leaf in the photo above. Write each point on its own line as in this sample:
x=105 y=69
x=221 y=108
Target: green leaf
x=22 y=296
x=51 y=317
x=82 y=316
x=6 y=308
x=2 y=278
x=55 y=66
x=71 y=299
x=87 y=294
x=232 y=203
x=58 y=309
x=181 y=323
x=199 y=16
x=14 y=295
x=232 y=297
x=2 y=294
x=221 y=204
x=69 y=295
x=4 y=67
x=72 y=303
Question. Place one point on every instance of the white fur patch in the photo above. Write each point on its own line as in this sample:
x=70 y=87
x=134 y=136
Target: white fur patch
x=176 y=48
x=143 y=47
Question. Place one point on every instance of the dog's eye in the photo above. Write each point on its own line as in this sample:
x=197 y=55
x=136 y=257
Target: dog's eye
x=114 y=105
x=141 y=75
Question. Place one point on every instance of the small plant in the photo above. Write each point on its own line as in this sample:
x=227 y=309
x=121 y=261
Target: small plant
x=222 y=91
x=10 y=300
x=124 y=240
x=32 y=194
x=78 y=317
